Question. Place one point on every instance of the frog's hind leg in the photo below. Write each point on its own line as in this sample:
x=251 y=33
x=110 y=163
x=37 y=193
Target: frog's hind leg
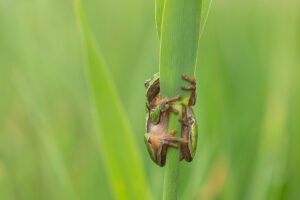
x=184 y=147
x=192 y=87
x=173 y=138
x=172 y=144
x=183 y=121
x=169 y=138
x=166 y=139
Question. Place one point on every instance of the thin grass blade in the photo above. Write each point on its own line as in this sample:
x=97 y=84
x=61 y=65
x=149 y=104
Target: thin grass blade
x=204 y=13
x=180 y=31
x=179 y=44
x=159 y=7
x=117 y=145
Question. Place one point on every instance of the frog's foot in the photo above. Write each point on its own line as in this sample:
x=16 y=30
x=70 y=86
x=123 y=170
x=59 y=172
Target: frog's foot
x=192 y=87
x=191 y=80
x=170 y=139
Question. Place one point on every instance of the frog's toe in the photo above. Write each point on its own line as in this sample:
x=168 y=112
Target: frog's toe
x=177 y=97
x=191 y=87
x=191 y=80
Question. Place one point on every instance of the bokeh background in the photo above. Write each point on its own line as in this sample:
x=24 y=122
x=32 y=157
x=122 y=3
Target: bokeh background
x=248 y=105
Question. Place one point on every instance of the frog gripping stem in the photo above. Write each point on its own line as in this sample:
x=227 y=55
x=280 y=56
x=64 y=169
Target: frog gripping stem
x=168 y=101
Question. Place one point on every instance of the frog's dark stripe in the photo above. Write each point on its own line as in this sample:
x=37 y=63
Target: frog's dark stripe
x=153 y=90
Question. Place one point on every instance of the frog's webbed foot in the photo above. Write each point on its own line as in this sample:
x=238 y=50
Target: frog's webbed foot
x=192 y=87
x=169 y=139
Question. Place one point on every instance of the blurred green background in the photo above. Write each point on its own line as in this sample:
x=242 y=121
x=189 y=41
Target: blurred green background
x=248 y=104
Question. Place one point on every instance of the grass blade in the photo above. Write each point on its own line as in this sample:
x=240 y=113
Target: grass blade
x=56 y=170
x=204 y=13
x=180 y=31
x=117 y=144
x=159 y=7
x=179 y=44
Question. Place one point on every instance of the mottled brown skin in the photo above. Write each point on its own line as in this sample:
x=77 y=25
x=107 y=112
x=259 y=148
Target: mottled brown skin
x=188 y=122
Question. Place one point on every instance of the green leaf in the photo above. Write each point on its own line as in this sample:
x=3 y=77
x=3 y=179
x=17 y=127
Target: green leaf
x=172 y=162
x=180 y=31
x=159 y=7
x=118 y=148
x=204 y=13
x=50 y=159
x=179 y=44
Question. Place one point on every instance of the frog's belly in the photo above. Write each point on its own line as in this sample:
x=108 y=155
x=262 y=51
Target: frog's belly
x=157 y=133
x=158 y=130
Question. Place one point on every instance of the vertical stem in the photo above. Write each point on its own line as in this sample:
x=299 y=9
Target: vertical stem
x=179 y=25
x=179 y=35
x=172 y=163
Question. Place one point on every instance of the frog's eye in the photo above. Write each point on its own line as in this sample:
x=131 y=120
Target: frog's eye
x=149 y=140
x=147 y=83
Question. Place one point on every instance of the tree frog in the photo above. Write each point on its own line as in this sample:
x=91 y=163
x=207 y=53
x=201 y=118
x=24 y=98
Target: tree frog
x=189 y=128
x=157 y=138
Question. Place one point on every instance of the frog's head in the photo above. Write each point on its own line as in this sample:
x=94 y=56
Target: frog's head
x=153 y=87
x=150 y=81
x=147 y=83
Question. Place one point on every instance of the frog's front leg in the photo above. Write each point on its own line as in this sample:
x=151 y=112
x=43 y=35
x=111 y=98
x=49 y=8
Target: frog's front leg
x=163 y=107
x=192 y=87
x=165 y=104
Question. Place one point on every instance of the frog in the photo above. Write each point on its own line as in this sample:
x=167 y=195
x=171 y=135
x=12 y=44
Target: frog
x=189 y=126
x=157 y=138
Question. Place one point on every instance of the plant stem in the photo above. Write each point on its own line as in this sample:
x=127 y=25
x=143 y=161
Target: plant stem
x=172 y=163
x=179 y=35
